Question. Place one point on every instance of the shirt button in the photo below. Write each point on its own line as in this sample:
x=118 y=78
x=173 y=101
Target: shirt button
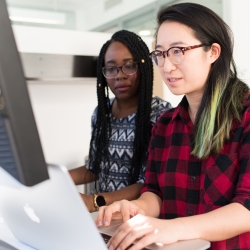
x=190 y=212
x=193 y=178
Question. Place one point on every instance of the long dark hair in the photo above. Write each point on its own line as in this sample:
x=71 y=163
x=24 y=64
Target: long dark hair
x=101 y=131
x=224 y=93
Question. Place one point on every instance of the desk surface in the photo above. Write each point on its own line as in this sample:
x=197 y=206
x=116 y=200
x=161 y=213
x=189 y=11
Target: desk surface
x=9 y=242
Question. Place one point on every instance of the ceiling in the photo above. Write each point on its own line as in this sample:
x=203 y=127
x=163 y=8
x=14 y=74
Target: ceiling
x=69 y=5
x=102 y=15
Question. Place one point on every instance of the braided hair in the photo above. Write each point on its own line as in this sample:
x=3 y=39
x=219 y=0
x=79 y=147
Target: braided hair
x=99 y=143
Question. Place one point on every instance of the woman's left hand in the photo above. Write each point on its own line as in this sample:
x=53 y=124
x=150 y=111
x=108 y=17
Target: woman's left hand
x=146 y=230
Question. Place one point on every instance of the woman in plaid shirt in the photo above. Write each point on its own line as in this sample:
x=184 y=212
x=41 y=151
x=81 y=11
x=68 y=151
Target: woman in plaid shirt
x=198 y=172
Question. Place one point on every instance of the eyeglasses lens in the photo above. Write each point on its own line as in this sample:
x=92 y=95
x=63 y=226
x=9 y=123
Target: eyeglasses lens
x=175 y=55
x=157 y=58
x=129 y=68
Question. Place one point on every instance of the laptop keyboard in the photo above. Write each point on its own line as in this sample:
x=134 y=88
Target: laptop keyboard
x=107 y=237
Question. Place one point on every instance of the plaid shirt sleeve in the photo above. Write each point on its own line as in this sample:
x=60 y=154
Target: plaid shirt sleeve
x=158 y=107
x=151 y=183
x=154 y=161
x=242 y=191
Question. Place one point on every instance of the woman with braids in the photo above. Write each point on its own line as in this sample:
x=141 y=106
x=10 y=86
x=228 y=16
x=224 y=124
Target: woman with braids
x=198 y=171
x=121 y=126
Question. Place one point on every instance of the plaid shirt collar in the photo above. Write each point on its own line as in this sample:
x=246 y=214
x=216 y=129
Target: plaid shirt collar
x=182 y=112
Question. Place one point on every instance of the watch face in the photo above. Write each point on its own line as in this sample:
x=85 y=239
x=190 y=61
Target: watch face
x=100 y=201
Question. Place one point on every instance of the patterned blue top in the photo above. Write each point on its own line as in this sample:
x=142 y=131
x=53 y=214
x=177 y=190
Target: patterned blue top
x=121 y=147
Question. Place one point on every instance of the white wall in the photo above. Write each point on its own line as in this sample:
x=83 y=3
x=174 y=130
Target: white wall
x=62 y=109
x=236 y=14
x=57 y=41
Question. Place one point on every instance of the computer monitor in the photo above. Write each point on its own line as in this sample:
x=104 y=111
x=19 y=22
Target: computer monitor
x=21 y=152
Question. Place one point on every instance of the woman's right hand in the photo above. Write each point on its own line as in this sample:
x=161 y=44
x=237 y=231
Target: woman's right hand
x=123 y=210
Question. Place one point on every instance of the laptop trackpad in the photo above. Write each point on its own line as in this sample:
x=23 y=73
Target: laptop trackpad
x=110 y=229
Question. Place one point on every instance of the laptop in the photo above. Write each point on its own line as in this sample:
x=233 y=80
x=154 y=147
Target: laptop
x=51 y=215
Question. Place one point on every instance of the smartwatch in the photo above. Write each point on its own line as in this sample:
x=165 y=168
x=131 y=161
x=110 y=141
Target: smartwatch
x=99 y=201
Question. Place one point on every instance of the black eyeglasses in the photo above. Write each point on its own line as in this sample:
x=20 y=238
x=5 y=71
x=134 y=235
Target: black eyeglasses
x=175 y=54
x=129 y=68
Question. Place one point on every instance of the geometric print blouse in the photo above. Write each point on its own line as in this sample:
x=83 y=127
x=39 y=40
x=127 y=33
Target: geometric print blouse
x=121 y=148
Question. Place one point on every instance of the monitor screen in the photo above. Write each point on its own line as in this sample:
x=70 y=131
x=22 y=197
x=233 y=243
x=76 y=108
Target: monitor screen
x=21 y=152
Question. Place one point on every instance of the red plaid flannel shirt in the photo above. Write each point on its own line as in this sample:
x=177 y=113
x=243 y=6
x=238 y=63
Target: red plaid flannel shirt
x=190 y=186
